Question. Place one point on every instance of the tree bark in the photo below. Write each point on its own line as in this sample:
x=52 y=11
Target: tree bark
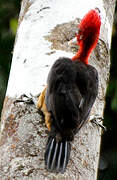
x=45 y=27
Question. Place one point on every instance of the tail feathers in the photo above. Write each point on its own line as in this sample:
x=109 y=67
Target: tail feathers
x=57 y=155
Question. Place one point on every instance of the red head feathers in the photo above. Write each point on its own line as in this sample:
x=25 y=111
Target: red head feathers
x=88 y=35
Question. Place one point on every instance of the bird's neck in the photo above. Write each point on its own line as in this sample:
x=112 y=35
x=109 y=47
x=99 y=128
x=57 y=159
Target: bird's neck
x=83 y=54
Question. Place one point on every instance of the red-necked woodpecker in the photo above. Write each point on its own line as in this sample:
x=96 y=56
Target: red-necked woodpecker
x=72 y=87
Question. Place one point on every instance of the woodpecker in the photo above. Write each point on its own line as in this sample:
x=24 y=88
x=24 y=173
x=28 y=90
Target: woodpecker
x=72 y=87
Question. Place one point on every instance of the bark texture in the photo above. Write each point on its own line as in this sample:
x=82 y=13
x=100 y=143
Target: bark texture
x=23 y=133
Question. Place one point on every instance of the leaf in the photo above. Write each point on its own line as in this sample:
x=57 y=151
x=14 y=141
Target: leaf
x=114 y=102
x=13 y=25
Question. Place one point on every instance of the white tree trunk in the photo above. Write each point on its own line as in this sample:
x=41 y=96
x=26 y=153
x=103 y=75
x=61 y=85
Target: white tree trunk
x=45 y=27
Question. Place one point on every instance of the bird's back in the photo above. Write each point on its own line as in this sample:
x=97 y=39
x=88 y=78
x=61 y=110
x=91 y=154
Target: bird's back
x=63 y=96
x=62 y=102
x=87 y=82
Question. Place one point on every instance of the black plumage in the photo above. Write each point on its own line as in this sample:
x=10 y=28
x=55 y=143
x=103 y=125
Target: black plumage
x=72 y=87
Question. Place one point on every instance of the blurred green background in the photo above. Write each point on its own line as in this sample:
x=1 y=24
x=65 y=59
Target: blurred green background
x=9 y=12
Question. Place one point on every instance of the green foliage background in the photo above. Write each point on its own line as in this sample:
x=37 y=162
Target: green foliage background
x=9 y=11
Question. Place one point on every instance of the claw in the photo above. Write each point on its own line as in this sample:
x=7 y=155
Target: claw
x=94 y=119
x=24 y=98
x=99 y=124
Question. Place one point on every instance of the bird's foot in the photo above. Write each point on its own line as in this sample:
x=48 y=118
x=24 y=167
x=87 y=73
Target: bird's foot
x=26 y=99
x=39 y=102
x=96 y=119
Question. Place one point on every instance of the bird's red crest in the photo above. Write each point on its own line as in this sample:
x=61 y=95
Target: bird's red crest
x=88 y=35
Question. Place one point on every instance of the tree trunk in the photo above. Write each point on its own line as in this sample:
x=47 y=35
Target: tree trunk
x=45 y=27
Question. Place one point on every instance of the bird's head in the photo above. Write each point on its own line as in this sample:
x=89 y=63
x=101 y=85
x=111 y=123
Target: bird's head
x=88 y=34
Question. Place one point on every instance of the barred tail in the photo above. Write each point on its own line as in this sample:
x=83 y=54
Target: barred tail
x=57 y=155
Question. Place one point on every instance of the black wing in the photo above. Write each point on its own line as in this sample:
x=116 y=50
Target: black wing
x=71 y=92
x=63 y=96
x=87 y=82
x=62 y=99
